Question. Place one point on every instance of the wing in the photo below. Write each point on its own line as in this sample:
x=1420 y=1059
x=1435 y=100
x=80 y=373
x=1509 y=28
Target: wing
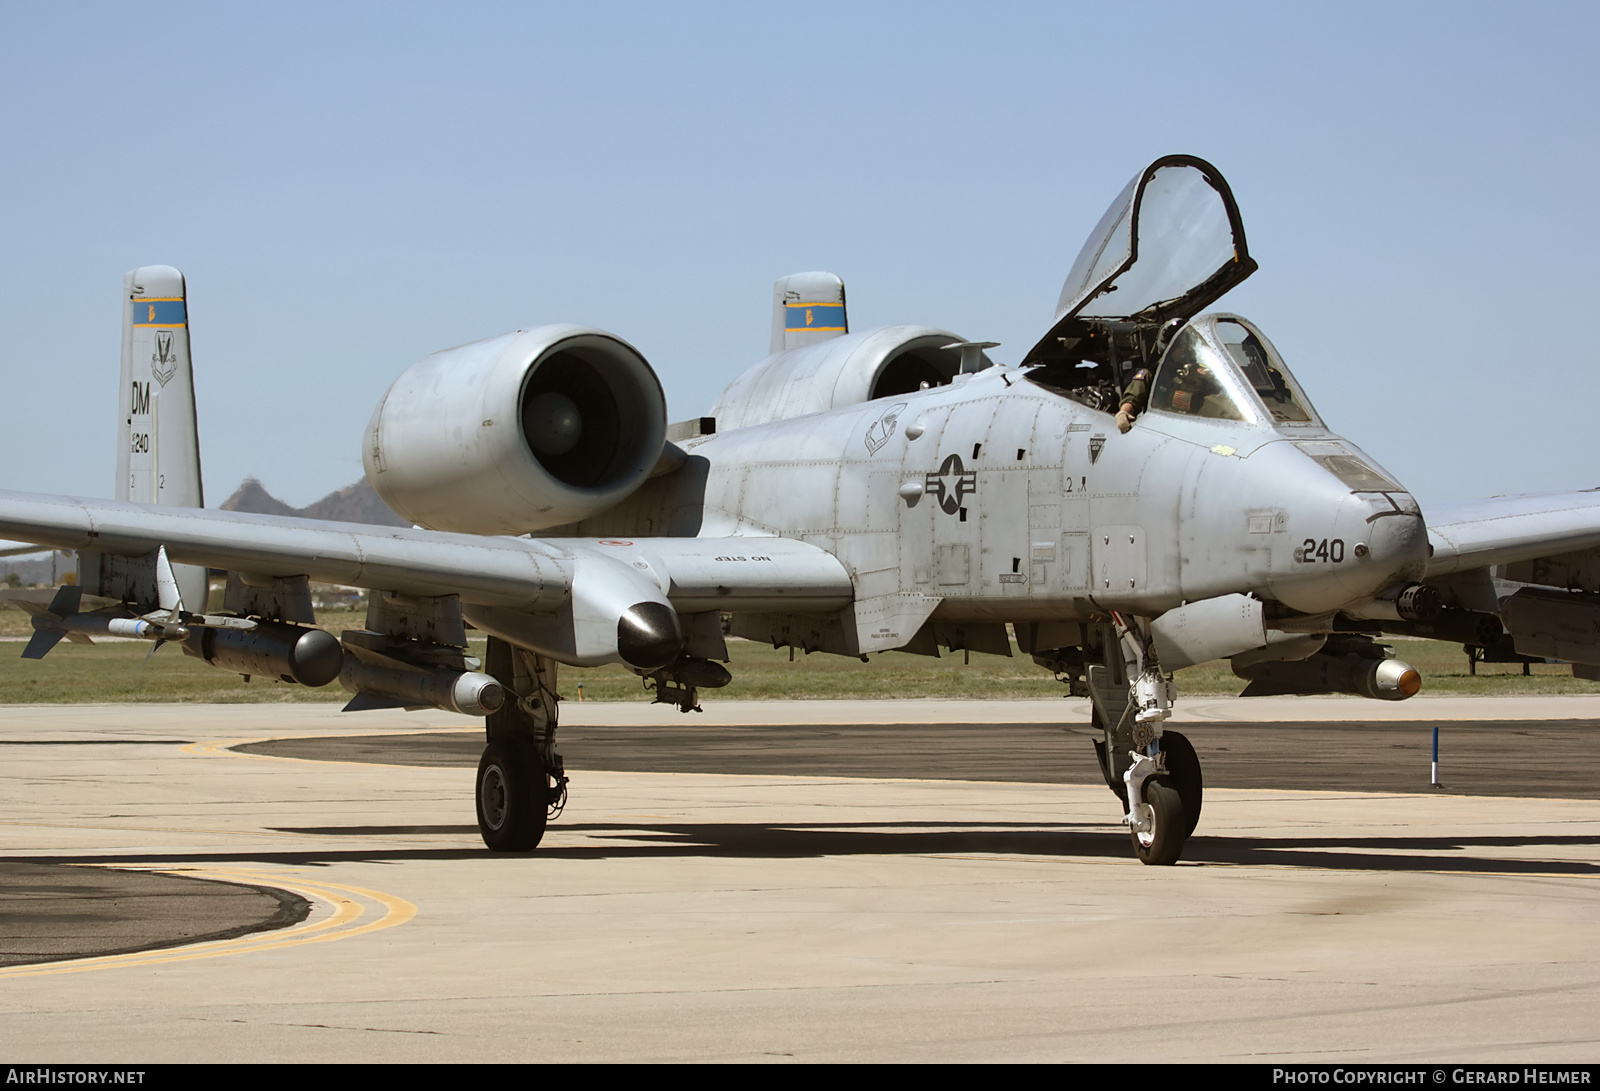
x=1511 y=529
x=564 y=597
x=1550 y=546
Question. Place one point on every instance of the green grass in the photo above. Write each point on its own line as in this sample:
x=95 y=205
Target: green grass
x=118 y=673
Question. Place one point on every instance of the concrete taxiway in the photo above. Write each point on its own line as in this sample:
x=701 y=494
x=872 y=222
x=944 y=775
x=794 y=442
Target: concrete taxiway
x=807 y=881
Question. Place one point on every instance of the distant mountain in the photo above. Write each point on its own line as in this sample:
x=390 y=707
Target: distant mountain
x=253 y=497
x=353 y=504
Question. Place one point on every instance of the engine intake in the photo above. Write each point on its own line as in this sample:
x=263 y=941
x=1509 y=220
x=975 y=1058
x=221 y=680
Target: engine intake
x=517 y=433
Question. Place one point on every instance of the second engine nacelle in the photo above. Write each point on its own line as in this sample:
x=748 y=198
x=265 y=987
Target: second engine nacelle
x=517 y=433
x=844 y=370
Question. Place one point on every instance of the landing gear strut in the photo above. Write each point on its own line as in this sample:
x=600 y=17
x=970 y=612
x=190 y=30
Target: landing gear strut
x=1153 y=772
x=521 y=782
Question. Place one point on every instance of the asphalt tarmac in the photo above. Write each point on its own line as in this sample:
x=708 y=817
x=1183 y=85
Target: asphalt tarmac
x=63 y=911
x=828 y=881
x=1494 y=757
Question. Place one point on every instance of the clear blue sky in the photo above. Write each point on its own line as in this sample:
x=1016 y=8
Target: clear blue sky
x=351 y=186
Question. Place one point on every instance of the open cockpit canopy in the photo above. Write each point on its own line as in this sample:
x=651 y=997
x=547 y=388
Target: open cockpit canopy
x=1170 y=245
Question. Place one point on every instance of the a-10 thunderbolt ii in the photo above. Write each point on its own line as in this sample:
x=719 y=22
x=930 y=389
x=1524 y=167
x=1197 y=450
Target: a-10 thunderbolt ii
x=851 y=493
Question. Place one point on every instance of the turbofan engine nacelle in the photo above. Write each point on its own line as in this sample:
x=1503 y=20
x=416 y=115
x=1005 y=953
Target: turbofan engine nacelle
x=517 y=433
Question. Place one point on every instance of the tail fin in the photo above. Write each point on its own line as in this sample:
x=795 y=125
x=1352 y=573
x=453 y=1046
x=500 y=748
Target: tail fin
x=158 y=454
x=158 y=461
x=807 y=308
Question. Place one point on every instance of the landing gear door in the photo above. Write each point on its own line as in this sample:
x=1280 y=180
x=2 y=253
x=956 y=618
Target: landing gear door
x=1169 y=245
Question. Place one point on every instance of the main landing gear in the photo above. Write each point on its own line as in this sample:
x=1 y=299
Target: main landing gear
x=521 y=782
x=1153 y=772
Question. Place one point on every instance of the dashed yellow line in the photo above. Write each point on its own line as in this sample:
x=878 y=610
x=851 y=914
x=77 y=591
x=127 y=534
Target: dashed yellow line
x=352 y=906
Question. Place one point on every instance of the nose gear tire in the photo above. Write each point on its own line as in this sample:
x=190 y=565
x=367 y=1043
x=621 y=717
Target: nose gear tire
x=513 y=795
x=1163 y=842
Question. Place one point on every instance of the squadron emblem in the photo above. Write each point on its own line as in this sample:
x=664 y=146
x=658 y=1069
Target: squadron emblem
x=163 y=362
x=879 y=431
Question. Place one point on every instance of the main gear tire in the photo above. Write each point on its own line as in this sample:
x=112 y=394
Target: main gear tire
x=1163 y=842
x=1183 y=776
x=513 y=795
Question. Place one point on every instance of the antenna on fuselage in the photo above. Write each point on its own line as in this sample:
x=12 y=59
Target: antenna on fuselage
x=971 y=354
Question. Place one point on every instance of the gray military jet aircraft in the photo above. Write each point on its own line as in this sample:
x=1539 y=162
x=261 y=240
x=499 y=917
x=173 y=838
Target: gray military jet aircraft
x=850 y=493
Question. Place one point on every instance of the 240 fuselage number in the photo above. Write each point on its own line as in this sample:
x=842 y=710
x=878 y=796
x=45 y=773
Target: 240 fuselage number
x=1327 y=551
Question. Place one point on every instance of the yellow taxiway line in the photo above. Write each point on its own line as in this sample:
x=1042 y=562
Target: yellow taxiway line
x=351 y=905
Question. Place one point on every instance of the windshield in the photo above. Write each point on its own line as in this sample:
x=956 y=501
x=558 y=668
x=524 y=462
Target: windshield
x=1213 y=367
x=1195 y=381
x=1271 y=382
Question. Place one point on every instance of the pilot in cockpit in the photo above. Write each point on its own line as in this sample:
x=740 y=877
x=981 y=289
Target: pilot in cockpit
x=1193 y=386
x=1193 y=389
x=1134 y=398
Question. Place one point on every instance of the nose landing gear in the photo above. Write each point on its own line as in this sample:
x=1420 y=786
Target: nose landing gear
x=1155 y=773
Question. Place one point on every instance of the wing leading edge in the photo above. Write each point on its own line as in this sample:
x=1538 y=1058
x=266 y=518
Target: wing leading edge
x=1510 y=529
x=535 y=576
x=1528 y=563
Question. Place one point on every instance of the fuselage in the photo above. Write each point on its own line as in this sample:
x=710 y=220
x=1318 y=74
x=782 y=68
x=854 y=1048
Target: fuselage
x=1005 y=500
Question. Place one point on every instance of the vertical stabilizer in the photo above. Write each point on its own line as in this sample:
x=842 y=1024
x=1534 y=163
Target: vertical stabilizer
x=807 y=308
x=158 y=454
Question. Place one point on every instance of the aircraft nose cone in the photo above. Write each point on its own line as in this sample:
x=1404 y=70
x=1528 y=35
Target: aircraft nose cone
x=1385 y=544
x=1390 y=544
x=648 y=636
x=1367 y=545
